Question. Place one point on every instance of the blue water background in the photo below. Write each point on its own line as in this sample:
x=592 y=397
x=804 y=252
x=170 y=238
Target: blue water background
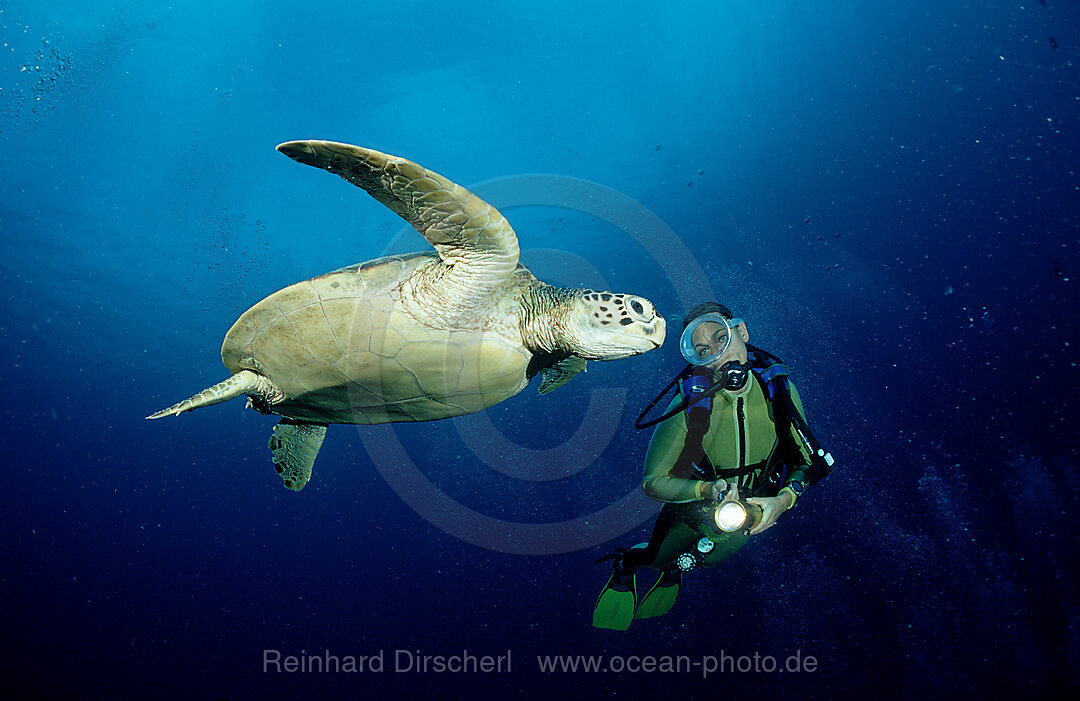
x=888 y=193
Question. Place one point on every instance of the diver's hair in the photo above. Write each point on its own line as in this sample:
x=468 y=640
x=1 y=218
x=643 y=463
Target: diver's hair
x=706 y=308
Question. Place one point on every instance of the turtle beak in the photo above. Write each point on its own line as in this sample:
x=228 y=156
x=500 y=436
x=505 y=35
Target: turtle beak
x=659 y=331
x=649 y=337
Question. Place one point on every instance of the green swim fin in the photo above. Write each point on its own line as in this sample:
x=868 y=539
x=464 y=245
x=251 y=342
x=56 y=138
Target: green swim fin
x=615 y=607
x=661 y=597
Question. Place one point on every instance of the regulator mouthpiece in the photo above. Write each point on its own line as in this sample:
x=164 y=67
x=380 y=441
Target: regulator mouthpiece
x=733 y=375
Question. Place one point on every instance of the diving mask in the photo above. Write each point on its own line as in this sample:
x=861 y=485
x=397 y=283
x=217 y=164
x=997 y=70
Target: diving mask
x=707 y=338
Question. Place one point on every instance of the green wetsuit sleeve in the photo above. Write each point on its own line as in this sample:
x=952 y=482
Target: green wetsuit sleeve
x=664 y=449
x=797 y=473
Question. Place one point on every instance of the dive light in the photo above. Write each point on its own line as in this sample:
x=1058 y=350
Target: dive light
x=733 y=515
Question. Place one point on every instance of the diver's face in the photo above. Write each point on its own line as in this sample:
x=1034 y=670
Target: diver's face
x=710 y=337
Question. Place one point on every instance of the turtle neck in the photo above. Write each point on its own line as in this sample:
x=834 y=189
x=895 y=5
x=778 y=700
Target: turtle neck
x=543 y=320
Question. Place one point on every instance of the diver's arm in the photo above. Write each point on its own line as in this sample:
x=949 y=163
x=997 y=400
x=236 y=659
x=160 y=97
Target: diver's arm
x=772 y=508
x=664 y=450
x=796 y=473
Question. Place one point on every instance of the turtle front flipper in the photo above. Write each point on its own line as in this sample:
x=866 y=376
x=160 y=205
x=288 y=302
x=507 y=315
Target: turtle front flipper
x=473 y=239
x=295 y=445
x=557 y=375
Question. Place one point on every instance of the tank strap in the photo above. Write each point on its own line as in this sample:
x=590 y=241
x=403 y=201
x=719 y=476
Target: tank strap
x=740 y=471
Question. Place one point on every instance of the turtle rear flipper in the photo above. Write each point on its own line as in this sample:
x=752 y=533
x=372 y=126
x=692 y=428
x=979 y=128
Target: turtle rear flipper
x=295 y=444
x=244 y=382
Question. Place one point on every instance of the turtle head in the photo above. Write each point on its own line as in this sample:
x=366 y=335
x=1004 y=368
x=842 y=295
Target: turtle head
x=609 y=326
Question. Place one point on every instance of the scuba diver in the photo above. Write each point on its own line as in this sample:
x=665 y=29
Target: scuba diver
x=730 y=455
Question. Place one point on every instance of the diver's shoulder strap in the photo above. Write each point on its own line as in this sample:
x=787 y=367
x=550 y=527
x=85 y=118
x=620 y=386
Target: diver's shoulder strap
x=787 y=416
x=821 y=461
x=769 y=369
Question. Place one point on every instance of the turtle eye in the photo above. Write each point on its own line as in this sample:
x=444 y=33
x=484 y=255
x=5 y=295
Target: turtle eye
x=640 y=309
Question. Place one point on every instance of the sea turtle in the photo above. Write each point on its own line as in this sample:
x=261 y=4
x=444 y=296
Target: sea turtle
x=414 y=337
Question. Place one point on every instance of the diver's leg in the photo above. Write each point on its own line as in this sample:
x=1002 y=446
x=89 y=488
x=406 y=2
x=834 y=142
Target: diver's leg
x=679 y=539
x=615 y=606
x=659 y=600
x=675 y=539
x=643 y=557
x=725 y=546
x=617 y=601
x=682 y=540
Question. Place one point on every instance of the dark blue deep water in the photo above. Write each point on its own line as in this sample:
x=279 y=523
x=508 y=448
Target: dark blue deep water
x=888 y=193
